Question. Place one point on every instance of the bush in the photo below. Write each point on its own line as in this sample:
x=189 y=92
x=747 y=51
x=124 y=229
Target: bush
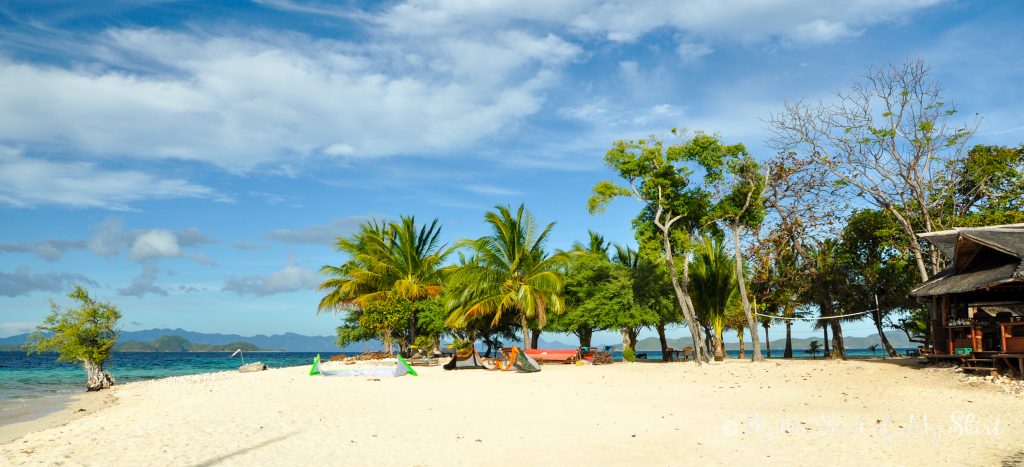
x=628 y=354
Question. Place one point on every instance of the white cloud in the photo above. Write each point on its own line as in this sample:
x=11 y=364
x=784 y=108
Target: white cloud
x=262 y=100
x=154 y=244
x=691 y=52
x=108 y=237
x=317 y=234
x=291 y=278
x=49 y=249
x=29 y=182
x=144 y=284
x=22 y=282
x=822 y=31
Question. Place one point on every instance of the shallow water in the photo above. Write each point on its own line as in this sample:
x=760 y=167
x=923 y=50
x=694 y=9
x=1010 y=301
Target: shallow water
x=34 y=385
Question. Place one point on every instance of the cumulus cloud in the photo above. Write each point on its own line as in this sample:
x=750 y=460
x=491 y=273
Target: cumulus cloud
x=289 y=279
x=50 y=249
x=154 y=244
x=144 y=284
x=110 y=239
x=28 y=182
x=318 y=234
x=22 y=282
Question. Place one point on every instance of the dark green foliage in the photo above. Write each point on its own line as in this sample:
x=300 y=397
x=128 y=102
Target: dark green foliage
x=85 y=333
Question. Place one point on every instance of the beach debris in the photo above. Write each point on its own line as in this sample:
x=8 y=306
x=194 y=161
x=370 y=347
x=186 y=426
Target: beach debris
x=252 y=367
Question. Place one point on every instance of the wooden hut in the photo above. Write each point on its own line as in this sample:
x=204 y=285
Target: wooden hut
x=976 y=305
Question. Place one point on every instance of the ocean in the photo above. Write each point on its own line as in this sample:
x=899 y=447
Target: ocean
x=34 y=385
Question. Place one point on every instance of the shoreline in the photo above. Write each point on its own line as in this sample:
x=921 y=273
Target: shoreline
x=74 y=407
x=802 y=411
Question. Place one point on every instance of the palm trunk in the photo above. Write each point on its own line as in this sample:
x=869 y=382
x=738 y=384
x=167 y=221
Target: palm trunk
x=719 y=345
x=535 y=339
x=825 y=329
x=98 y=378
x=743 y=348
x=740 y=276
x=877 y=315
x=526 y=332
x=767 y=342
x=788 y=352
x=838 y=347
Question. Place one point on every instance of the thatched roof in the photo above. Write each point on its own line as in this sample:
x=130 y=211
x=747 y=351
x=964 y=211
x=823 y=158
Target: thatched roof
x=981 y=257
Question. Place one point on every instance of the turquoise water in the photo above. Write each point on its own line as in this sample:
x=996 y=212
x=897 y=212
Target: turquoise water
x=32 y=385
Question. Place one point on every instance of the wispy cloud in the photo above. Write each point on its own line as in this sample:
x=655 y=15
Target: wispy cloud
x=28 y=182
x=23 y=281
x=318 y=234
x=291 y=278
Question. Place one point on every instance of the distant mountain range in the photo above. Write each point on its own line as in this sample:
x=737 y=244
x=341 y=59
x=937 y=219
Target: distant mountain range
x=288 y=342
x=180 y=344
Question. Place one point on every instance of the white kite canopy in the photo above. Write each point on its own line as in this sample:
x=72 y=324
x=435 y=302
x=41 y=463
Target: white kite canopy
x=401 y=368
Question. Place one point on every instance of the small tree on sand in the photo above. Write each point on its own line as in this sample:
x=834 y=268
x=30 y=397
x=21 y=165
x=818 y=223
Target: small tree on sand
x=813 y=348
x=85 y=334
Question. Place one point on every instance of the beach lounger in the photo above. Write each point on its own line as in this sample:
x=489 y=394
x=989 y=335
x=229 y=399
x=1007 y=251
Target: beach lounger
x=553 y=355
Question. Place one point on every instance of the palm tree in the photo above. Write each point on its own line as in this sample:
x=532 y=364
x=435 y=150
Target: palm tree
x=392 y=260
x=596 y=245
x=813 y=348
x=713 y=283
x=873 y=348
x=511 y=274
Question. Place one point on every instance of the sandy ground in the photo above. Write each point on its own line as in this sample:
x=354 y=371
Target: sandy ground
x=794 y=412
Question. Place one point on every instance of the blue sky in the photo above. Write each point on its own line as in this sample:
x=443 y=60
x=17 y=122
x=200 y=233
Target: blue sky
x=191 y=161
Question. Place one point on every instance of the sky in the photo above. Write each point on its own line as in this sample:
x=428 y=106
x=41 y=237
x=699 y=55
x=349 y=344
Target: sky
x=192 y=162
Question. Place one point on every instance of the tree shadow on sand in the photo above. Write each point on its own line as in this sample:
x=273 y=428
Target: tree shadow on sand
x=239 y=452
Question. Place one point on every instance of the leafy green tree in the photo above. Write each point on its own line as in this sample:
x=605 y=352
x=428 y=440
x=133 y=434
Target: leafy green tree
x=597 y=292
x=984 y=188
x=392 y=261
x=713 y=284
x=878 y=274
x=84 y=334
x=511 y=273
x=657 y=176
x=652 y=292
x=737 y=178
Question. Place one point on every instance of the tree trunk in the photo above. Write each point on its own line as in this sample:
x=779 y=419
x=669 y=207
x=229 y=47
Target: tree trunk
x=526 y=332
x=387 y=343
x=535 y=339
x=412 y=328
x=98 y=378
x=682 y=295
x=625 y=339
x=788 y=352
x=824 y=328
x=632 y=338
x=585 y=335
x=740 y=276
x=665 y=357
x=767 y=342
x=719 y=345
x=877 y=315
x=743 y=345
x=838 y=347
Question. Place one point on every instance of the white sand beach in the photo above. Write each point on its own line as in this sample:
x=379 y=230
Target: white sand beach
x=793 y=412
